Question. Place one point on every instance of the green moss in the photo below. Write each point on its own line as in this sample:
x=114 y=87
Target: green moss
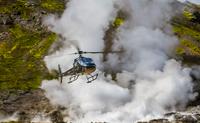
x=4 y=10
x=189 y=40
x=19 y=7
x=188 y=15
x=118 y=22
x=184 y=31
x=194 y=49
x=43 y=46
x=180 y=51
x=53 y=5
x=189 y=35
x=21 y=65
x=22 y=52
x=17 y=32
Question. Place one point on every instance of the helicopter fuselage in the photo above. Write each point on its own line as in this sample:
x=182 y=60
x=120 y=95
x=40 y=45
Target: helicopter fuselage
x=84 y=65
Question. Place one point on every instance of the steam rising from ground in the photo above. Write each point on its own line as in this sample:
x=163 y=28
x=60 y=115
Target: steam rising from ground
x=150 y=83
x=14 y=117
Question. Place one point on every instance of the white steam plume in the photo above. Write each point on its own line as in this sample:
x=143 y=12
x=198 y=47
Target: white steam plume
x=150 y=85
x=11 y=118
x=83 y=23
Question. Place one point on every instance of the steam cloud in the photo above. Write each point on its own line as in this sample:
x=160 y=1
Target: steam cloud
x=151 y=83
x=11 y=118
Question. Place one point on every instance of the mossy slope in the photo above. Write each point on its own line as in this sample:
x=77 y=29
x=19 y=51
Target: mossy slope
x=24 y=42
x=187 y=28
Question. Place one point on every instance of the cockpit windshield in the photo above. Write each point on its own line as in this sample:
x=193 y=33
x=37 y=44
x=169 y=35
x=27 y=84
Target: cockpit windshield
x=84 y=61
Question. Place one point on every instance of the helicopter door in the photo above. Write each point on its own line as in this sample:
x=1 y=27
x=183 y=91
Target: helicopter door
x=89 y=70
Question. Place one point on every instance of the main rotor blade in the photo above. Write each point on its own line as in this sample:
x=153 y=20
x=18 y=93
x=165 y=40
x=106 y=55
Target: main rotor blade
x=83 y=52
x=104 y=52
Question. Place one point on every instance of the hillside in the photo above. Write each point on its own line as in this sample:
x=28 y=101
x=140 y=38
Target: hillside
x=24 y=41
x=187 y=26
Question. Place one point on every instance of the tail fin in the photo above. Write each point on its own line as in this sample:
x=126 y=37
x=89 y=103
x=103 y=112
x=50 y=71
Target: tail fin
x=60 y=76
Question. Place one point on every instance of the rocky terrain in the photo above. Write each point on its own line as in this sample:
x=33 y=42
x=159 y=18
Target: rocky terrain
x=24 y=41
x=27 y=104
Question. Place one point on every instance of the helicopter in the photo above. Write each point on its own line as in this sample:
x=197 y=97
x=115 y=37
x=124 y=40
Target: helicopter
x=82 y=66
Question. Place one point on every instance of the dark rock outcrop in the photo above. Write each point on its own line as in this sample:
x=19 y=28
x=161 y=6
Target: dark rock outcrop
x=27 y=104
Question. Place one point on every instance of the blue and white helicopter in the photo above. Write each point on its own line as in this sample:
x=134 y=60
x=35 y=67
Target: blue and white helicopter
x=82 y=66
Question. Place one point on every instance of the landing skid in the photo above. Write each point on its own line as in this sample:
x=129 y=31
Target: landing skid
x=73 y=78
x=91 y=78
x=74 y=75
